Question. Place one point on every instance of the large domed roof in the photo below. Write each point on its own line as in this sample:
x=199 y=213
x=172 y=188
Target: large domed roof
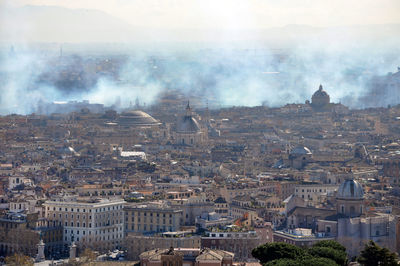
x=188 y=125
x=137 y=118
x=300 y=150
x=321 y=92
x=320 y=97
x=350 y=189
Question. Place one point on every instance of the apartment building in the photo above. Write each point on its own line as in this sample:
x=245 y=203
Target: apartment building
x=152 y=217
x=314 y=194
x=94 y=223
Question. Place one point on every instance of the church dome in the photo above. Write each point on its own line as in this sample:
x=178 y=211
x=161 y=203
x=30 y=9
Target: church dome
x=320 y=98
x=188 y=124
x=137 y=118
x=300 y=150
x=350 y=189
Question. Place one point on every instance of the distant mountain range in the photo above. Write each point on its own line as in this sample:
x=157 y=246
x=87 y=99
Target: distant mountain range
x=57 y=24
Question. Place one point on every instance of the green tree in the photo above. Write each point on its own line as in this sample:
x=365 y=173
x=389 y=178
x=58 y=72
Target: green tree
x=284 y=262
x=18 y=260
x=308 y=261
x=330 y=244
x=277 y=250
x=338 y=256
x=375 y=255
x=324 y=253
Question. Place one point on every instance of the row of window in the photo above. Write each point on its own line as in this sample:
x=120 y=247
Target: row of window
x=105 y=223
x=145 y=220
x=96 y=238
x=117 y=207
x=72 y=216
x=150 y=228
x=104 y=231
x=151 y=214
x=312 y=190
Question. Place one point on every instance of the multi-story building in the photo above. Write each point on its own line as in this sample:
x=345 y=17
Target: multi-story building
x=193 y=207
x=94 y=223
x=239 y=243
x=14 y=225
x=152 y=217
x=301 y=237
x=186 y=256
x=314 y=194
x=221 y=206
x=135 y=244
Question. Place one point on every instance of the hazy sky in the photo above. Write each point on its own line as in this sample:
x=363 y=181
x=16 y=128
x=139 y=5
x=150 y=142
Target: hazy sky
x=235 y=14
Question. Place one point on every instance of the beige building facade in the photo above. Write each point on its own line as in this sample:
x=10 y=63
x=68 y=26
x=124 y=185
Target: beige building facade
x=97 y=224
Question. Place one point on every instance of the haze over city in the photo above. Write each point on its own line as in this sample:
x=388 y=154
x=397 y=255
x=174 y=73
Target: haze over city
x=200 y=133
x=315 y=44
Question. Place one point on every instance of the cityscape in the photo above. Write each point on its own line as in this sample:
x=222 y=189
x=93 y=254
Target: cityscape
x=227 y=144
